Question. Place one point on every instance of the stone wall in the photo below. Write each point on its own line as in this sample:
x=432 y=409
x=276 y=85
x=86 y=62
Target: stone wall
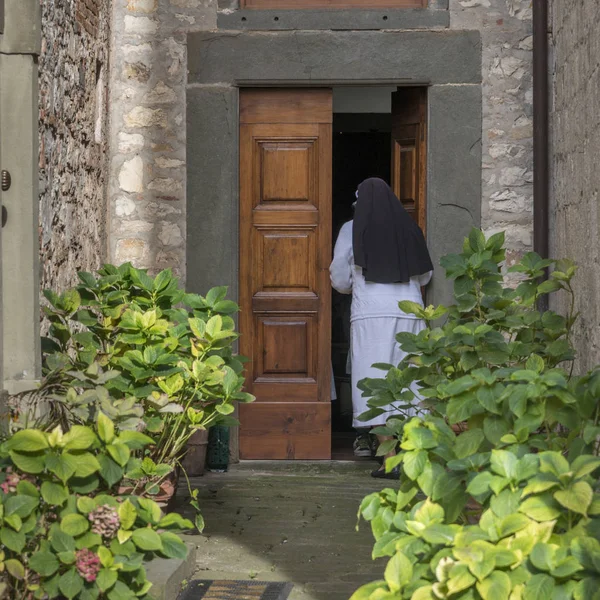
x=73 y=138
x=507 y=144
x=575 y=206
x=148 y=77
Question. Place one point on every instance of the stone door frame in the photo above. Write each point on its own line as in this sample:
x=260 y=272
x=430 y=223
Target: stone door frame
x=219 y=63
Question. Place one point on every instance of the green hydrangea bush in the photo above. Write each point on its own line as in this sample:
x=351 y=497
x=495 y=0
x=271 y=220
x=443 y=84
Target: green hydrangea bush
x=144 y=353
x=65 y=532
x=499 y=492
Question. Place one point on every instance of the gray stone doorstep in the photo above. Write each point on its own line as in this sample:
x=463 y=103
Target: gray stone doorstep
x=287 y=521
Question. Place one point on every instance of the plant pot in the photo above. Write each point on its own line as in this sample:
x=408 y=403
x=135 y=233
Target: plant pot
x=194 y=461
x=168 y=488
x=166 y=493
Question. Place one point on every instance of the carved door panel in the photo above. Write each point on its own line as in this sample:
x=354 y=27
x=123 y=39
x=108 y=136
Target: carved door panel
x=285 y=251
x=409 y=155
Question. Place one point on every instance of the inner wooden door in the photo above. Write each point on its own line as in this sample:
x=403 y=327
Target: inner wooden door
x=409 y=150
x=285 y=251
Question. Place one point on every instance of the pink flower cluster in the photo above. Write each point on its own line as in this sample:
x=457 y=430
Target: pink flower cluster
x=105 y=521
x=11 y=481
x=88 y=564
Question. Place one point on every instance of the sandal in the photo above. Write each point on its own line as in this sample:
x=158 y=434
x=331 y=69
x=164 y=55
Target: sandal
x=381 y=473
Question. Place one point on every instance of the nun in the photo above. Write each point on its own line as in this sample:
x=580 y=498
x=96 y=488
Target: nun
x=381 y=258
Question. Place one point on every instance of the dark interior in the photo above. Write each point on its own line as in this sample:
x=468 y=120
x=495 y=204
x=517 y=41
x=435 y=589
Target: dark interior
x=361 y=149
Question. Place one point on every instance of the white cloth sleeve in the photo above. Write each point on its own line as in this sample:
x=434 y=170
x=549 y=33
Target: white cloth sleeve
x=340 y=270
x=425 y=278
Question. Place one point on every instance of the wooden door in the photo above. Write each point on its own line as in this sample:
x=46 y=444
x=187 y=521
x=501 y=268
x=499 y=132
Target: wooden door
x=285 y=251
x=409 y=150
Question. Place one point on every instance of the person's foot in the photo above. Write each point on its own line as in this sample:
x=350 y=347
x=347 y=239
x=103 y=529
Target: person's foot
x=381 y=474
x=363 y=446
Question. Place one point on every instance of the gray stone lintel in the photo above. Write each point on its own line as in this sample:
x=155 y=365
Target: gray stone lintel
x=424 y=57
x=281 y=20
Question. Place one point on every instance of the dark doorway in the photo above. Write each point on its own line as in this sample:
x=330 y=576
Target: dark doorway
x=361 y=149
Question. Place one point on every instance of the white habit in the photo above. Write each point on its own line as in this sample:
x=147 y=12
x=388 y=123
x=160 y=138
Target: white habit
x=375 y=319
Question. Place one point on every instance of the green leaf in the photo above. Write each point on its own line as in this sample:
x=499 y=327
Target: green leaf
x=482 y=568
x=225 y=409
x=84 y=485
x=146 y=539
x=411 y=308
x=62 y=542
x=554 y=463
x=495 y=587
x=54 y=494
x=67 y=558
x=511 y=524
x=70 y=583
x=106 y=428
x=566 y=568
x=79 y=438
x=564 y=591
x=535 y=363
x=106 y=557
x=28 y=489
x=74 y=525
x=540 y=508
x=585 y=465
x=476 y=240
x=468 y=443
x=577 y=497
x=149 y=510
x=495 y=428
x=86 y=464
x=120 y=591
x=106 y=579
x=480 y=484
x=128 y=514
x=88 y=540
x=63 y=466
x=86 y=505
x=538 y=587
x=28 y=463
x=439 y=534
x=134 y=440
x=13 y=540
x=216 y=294
x=199 y=523
x=119 y=452
x=542 y=557
x=414 y=463
x=365 y=591
x=44 y=563
x=110 y=471
x=398 y=572
x=541 y=483
x=174 y=520
x=15 y=568
x=20 y=505
x=172 y=546
x=504 y=463
x=14 y=521
x=27 y=440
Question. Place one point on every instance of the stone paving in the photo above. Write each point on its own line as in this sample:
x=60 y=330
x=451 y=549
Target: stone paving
x=287 y=522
